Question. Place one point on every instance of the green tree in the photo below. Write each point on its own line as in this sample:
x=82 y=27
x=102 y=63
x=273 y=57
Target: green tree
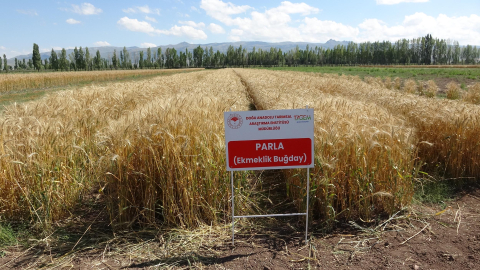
x=36 y=58
x=183 y=59
x=63 y=60
x=75 y=59
x=171 y=58
x=141 y=60
x=114 y=59
x=198 y=56
x=427 y=49
x=5 y=65
x=160 y=57
x=189 y=57
x=148 y=63
x=87 y=59
x=98 y=60
x=0 y=63
x=210 y=54
x=53 y=60
x=16 y=63
x=81 y=59
x=126 y=58
x=122 y=60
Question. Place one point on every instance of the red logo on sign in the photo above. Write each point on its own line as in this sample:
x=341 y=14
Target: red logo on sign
x=234 y=121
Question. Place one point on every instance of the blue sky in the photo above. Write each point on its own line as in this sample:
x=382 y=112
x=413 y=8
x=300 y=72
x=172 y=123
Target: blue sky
x=144 y=23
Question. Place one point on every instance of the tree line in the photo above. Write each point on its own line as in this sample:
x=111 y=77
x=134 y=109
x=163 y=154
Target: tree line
x=418 y=51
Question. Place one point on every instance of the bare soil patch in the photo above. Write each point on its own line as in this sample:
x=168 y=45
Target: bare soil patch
x=442 y=83
x=422 y=237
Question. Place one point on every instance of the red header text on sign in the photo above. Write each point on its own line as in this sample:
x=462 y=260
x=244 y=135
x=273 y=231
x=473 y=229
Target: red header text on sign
x=278 y=139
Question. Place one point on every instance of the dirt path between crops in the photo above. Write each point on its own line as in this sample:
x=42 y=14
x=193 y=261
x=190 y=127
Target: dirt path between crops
x=414 y=239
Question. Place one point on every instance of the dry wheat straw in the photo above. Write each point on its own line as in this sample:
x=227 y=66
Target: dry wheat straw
x=444 y=132
x=453 y=91
x=362 y=150
x=12 y=82
x=431 y=90
x=410 y=86
x=473 y=94
x=155 y=147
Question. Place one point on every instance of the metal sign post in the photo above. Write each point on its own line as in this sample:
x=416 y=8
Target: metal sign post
x=271 y=215
x=259 y=140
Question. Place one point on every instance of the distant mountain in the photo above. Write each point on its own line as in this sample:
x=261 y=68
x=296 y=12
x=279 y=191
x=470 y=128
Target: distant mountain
x=107 y=51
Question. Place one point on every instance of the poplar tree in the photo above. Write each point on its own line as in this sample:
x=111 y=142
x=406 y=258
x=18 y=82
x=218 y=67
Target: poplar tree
x=81 y=59
x=53 y=60
x=149 y=58
x=87 y=59
x=98 y=60
x=160 y=57
x=114 y=59
x=5 y=65
x=198 y=56
x=74 y=59
x=122 y=60
x=126 y=58
x=63 y=60
x=141 y=60
x=36 y=58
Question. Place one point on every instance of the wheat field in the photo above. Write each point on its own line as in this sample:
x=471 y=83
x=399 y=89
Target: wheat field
x=14 y=82
x=154 y=149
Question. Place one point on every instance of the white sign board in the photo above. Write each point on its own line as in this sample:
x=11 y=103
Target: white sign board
x=277 y=139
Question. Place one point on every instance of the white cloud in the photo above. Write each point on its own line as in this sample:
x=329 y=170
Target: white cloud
x=185 y=30
x=44 y=50
x=145 y=27
x=192 y=24
x=2 y=48
x=72 y=21
x=142 y=9
x=147 y=45
x=180 y=14
x=27 y=12
x=464 y=29
x=57 y=48
x=150 y=19
x=271 y=25
x=101 y=43
x=136 y=25
x=216 y=29
x=86 y=9
x=394 y=2
x=194 y=9
x=315 y=28
x=221 y=11
x=276 y=25
x=294 y=8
